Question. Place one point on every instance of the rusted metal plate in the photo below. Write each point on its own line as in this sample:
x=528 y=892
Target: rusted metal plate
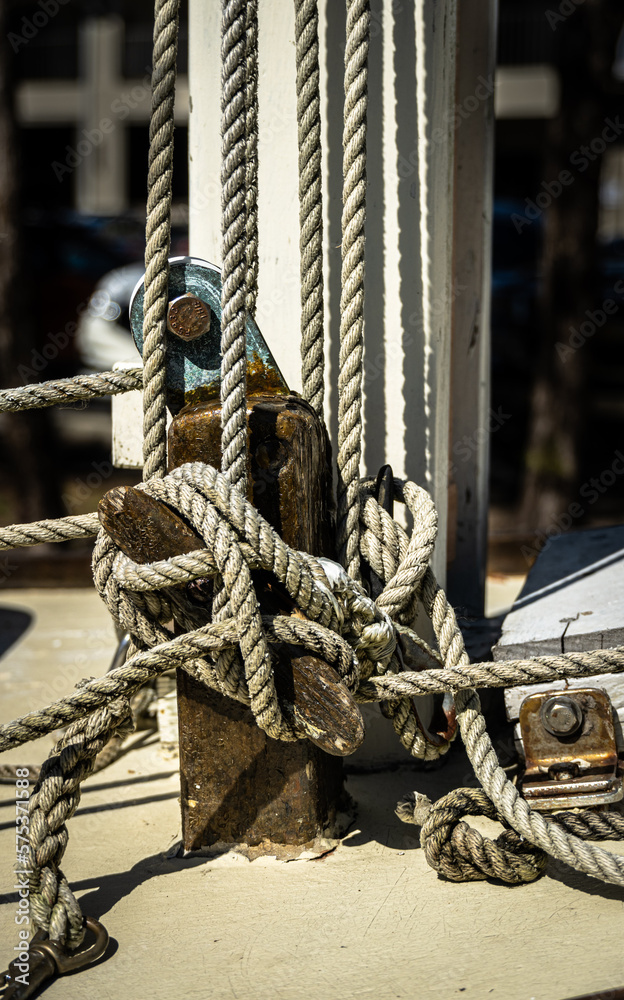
x=194 y=363
x=570 y=749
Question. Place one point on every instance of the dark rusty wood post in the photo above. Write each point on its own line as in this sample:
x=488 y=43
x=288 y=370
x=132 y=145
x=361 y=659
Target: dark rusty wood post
x=238 y=785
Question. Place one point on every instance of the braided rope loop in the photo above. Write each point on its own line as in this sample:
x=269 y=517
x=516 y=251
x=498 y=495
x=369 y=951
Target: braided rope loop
x=234 y=228
x=158 y=237
x=459 y=852
x=310 y=202
x=352 y=296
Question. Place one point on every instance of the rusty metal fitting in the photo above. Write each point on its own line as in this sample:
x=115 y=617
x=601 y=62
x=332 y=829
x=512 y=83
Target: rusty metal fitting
x=188 y=316
x=561 y=716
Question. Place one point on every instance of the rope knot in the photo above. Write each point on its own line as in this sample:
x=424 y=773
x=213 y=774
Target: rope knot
x=459 y=852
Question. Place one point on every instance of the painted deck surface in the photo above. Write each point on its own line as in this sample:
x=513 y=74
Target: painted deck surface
x=573 y=598
x=369 y=920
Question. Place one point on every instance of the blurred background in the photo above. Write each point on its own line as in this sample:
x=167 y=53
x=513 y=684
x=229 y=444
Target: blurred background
x=74 y=112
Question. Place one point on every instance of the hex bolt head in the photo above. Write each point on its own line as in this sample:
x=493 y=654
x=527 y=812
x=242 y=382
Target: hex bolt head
x=188 y=317
x=561 y=716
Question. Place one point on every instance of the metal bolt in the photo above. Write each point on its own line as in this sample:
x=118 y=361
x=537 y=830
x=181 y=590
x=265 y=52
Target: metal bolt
x=561 y=716
x=188 y=317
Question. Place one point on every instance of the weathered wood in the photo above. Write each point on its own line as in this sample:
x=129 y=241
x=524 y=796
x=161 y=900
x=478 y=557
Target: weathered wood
x=144 y=528
x=309 y=690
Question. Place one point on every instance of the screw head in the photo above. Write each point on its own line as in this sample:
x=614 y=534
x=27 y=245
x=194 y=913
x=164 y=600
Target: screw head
x=188 y=317
x=561 y=716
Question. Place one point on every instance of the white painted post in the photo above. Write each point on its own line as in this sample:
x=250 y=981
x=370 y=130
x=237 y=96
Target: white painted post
x=409 y=223
x=471 y=421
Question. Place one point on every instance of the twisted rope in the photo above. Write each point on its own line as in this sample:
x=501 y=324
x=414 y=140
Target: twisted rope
x=234 y=223
x=344 y=625
x=510 y=673
x=310 y=201
x=458 y=851
x=158 y=236
x=544 y=833
x=251 y=154
x=232 y=653
x=53 y=906
x=61 y=529
x=352 y=296
x=69 y=390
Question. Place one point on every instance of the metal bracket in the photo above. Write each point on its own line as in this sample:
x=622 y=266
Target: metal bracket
x=194 y=360
x=570 y=749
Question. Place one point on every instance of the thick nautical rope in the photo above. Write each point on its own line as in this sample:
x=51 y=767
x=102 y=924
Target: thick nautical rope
x=53 y=906
x=61 y=391
x=65 y=391
x=310 y=202
x=460 y=853
x=352 y=295
x=532 y=825
x=237 y=541
x=251 y=155
x=158 y=237
x=234 y=221
x=60 y=529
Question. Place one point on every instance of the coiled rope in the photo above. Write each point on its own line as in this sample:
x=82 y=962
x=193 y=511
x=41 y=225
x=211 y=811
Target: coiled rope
x=353 y=634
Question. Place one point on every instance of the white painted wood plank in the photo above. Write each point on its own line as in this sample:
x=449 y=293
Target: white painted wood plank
x=573 y=598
